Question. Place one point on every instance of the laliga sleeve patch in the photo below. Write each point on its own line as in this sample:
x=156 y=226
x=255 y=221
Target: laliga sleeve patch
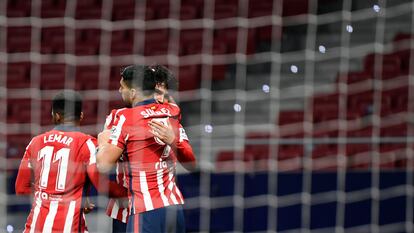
x=183 y=135
x=114 y=133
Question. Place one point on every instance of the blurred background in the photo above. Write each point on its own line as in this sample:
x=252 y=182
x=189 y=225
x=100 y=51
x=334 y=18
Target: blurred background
x=298 y=110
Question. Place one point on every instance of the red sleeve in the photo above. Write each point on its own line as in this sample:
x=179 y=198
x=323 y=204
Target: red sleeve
x=110 y=119
x=118 y=132
x=185 y=154
x=23 y=180
x=101 y=183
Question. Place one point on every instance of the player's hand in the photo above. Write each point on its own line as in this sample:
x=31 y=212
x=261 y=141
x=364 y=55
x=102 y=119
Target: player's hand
x=164 y=132
x=103 y=137
x=88 y=206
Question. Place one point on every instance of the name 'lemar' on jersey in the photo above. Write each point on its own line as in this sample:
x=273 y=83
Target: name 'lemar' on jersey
x=60 y=138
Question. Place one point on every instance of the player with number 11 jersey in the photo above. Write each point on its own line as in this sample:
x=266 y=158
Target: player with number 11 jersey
x=61 y=161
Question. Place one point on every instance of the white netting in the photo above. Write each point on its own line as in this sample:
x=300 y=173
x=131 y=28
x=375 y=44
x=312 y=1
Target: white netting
x=294 y=108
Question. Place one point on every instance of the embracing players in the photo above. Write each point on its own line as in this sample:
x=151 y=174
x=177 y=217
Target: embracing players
x=142 y=136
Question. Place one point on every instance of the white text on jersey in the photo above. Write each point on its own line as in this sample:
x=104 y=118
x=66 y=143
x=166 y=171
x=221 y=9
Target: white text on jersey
x=149 y=112
x=58 y=138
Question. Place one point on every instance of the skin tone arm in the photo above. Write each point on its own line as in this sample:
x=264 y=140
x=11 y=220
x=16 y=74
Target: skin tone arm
x=107 y=154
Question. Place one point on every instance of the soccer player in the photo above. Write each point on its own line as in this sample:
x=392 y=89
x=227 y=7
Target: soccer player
x=164 y=80
x=61 y=161
x=151 y=162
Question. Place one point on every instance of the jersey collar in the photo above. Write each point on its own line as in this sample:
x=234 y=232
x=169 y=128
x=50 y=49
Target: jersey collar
x=145 y=102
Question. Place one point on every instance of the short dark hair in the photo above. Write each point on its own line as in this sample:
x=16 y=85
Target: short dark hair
x=138 y=76
x=147 y=77
x=68 y=103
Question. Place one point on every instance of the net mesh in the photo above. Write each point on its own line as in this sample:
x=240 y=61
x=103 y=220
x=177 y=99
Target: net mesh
x=298 y=110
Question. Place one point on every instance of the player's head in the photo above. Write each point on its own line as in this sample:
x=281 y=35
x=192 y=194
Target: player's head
x=67 y=107
x=136 y=83
x=165 y=82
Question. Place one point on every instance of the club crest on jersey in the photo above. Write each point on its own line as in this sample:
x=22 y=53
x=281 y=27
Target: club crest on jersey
x=151 y=112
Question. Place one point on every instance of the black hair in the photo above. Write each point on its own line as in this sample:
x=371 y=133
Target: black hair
x=68 y=103
x=164 y=76
x=147 y=77
x=138 y=76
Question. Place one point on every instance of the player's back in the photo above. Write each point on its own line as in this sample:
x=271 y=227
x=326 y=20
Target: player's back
x=59 y=159
x=151 y=163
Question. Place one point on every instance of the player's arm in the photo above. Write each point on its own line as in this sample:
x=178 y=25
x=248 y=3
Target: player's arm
x=186 y=155
x=101 y=183
x=108 y=153
x=184 y=151
x=104 y=185
x=23 y=181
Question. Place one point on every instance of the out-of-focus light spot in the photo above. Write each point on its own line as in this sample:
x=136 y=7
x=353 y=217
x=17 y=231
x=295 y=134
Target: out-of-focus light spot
x=237 y=108
x=208 y=128
x=266 y=88
x=376 y=8
x=9 y=228
x=294 y=69
x=349 y=28
x=322 y=49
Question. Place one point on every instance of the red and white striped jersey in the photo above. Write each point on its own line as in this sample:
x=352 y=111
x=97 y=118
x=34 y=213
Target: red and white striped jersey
x=151 y=164
x=55 y=216
x=115 y=209
x=184 y=152
x=60 y=160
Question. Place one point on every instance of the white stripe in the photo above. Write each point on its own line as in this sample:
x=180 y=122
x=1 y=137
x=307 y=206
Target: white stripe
x=115 y=136
x=29 y=164
x=144 y=189
x=161 y=187
x=107 y=121
x=124 y=215
x=115 y=209
x=117 y=172
x=84 y=220
x=69 y=217
x=50 y=218
x=179 y=194
x=35 y=215
x=170 y=186
x=92 y=151
x=27 y=147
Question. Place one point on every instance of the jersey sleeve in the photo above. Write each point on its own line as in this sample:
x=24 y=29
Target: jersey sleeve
x=185 y=154
x=119 y=134
x=110 y=119
x=23 y=180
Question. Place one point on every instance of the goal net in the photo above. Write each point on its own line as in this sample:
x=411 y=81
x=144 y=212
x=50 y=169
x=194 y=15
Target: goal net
x=298 y=110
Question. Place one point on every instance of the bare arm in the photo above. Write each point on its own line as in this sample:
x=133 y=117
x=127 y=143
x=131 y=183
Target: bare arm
x=107 y=154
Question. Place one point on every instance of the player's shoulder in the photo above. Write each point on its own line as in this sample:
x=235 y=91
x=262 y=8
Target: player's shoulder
x=115 y=111
x=173 y=109
x=113 y=115
x=174 y=106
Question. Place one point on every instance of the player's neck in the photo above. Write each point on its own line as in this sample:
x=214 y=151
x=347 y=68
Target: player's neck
x=69 y=123
x=141 y=99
